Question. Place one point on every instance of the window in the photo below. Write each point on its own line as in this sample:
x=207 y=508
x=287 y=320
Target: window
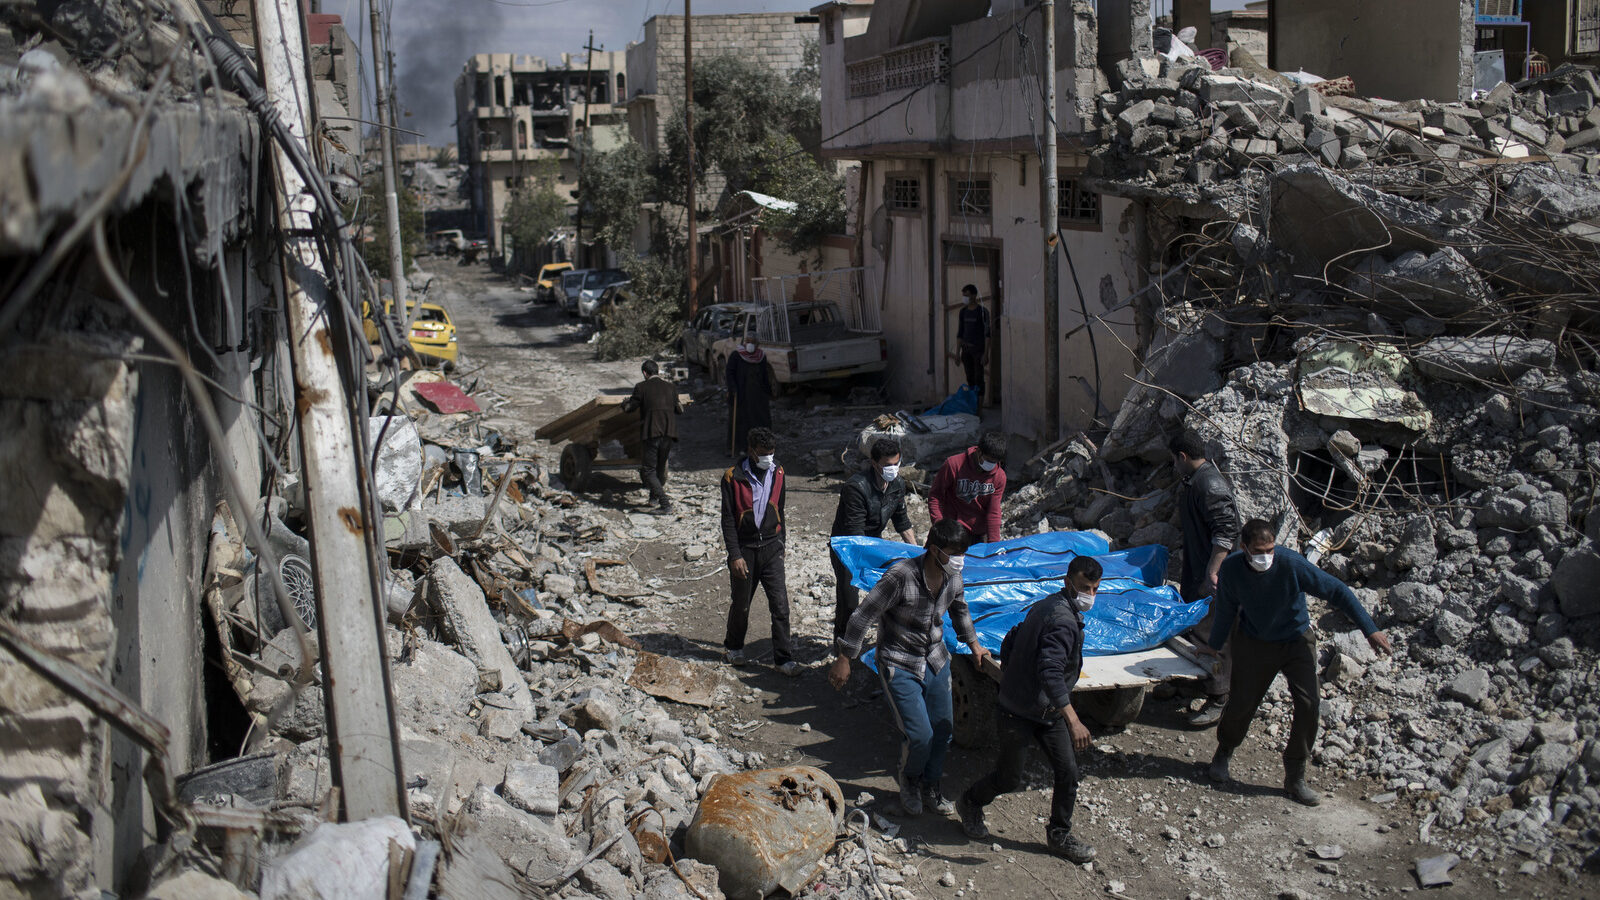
x=971 y=197
x=1074 y=204
x=904 y=193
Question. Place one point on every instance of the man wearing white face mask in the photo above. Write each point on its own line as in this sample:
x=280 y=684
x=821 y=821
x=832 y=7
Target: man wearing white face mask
x=907 y=606
x=754 y=532
x=868 y=501
x=1041 y=659
x=1264 y=587
x=970 y=486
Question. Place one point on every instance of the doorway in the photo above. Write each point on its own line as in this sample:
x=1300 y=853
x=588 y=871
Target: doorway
x=978 y=265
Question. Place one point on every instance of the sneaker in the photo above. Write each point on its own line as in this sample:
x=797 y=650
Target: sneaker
x=972 y=819
x=1218 y=770
x=933 y=800
x=1066 y=845
x=737 y=657
x=910 y=802
x=790 y=668
x=1209 y=714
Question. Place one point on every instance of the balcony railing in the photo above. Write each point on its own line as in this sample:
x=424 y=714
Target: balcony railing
x=911 y=66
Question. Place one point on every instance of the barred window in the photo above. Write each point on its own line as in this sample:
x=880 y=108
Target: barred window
x=1074 y=204
x=971 y=198
x=905 y=193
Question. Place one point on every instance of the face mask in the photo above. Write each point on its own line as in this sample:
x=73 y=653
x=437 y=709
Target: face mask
x=1085 y=601
x=749 y=348
x=953 y=565
x=764 y=462
x=889 y=473
x=1260 y=561
x=987 y=465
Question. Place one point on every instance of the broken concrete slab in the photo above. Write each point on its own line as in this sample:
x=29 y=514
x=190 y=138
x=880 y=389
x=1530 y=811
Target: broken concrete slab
x=464 y=620
x=1318 y=215
x=528 y=843
x=1575 y=580
x=1498 y=359
x=338 y=861
x=1434 y=871
x=533 y=787
x=1441 y=284
x=766 y=829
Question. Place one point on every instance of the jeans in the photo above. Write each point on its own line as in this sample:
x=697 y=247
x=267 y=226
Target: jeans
x=1014 y=735
x=1255 y=664
x=972 y=362
x=922 y=711
x=766 y=569
x=653 y=467
x=847 y=597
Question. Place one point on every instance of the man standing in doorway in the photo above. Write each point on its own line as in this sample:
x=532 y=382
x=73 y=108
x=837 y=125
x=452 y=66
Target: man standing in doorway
x=751 y=385
x=657 y=401
x=907 y=606
x=753 y=531
x=969 y=487
x=1043 y=657
x=972 y=338
x=869 y=500
x=1210 y=524
x=1265 y=589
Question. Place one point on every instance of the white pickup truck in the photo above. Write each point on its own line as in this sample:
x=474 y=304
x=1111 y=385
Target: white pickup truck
x=811 y=342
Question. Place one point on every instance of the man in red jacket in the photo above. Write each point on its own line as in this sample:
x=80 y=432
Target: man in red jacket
x=970 y=485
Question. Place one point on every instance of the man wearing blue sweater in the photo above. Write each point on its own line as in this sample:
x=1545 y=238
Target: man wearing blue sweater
x=1264 y=588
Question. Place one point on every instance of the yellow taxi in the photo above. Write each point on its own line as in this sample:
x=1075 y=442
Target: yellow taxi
x=548 y=274
x=432 y=335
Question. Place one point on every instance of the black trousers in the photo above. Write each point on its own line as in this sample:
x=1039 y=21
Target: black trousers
x=766 y=569
x=1014 y=735
x=972 y=362
x=1255 y=664
x=846 y=597
x=653 y=467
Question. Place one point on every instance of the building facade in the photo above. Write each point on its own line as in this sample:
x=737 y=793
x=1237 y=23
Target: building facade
x=518 y=118
x=943 y=107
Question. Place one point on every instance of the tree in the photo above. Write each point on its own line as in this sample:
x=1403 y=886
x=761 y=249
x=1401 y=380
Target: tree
x=535 y=210
x=375 y=245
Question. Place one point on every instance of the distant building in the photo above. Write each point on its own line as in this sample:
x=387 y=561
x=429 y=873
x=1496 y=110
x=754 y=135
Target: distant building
x=514 y=113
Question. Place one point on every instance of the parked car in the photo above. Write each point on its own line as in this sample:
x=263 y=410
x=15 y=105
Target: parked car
x=432 y=335
x=595 y=282
x=447 y=242
x=567 y=289
x=819 y=345
x=545 y=287
x=614 y=302
x=711 y=325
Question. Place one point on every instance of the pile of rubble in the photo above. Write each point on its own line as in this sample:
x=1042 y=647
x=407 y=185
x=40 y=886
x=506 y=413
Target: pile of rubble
x=1175 y=122
x=538 y=755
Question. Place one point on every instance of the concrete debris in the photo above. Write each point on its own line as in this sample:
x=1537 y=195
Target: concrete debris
x=1434 y=871
x=766 y=829
x=349 y=861
x=1500 y=359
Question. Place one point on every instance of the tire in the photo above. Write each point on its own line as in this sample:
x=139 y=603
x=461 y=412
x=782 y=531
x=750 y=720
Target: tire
x=1112 y=708
x=974 y=698
x=575 y=466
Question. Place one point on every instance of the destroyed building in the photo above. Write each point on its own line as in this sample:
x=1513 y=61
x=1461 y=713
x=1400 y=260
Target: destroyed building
x=520 y=119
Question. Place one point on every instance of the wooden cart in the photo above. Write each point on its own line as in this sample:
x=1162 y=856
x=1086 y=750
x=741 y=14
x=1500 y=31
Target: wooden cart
x=597 y=422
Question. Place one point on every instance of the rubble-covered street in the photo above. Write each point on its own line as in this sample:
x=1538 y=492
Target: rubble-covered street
x=320 y=580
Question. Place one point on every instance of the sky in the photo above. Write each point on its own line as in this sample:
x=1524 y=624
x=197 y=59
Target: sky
x=432 y=39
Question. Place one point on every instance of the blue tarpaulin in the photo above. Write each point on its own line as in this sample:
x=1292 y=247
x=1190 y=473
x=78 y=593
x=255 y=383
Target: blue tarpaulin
x=1134 y=609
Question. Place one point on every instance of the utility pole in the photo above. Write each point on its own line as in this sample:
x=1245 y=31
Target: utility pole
x=1052 y=272
x=587 y=137
x=688 y=129
x=391 y=199
x=363 y=744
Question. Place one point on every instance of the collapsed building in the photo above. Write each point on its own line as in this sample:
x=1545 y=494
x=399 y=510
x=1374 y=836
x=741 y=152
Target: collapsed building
x=1382 y=318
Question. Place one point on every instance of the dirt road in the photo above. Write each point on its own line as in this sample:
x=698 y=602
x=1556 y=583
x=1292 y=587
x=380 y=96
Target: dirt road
x=1160 y=828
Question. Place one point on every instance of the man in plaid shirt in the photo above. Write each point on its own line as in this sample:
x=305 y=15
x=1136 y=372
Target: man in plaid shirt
x=908 y=605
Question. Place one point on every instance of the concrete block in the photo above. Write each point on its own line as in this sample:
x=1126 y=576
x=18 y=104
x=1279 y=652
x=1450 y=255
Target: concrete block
x=532 y=786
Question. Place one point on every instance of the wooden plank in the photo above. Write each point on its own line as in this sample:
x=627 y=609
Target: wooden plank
x=1135 y=669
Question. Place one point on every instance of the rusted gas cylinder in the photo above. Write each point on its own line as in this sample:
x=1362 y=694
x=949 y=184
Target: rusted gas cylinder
x=766 y=829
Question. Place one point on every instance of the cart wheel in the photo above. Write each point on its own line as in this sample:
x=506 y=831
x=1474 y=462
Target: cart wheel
x=973 y=697
x=574 y=469
x=1113 y=708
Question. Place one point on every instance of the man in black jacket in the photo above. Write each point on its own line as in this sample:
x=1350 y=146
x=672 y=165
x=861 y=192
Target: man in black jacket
x=1210 y=523
x=972 y=338
x=753 y=530
x=1041 y=659
x=657 y=401
x=869 y=500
